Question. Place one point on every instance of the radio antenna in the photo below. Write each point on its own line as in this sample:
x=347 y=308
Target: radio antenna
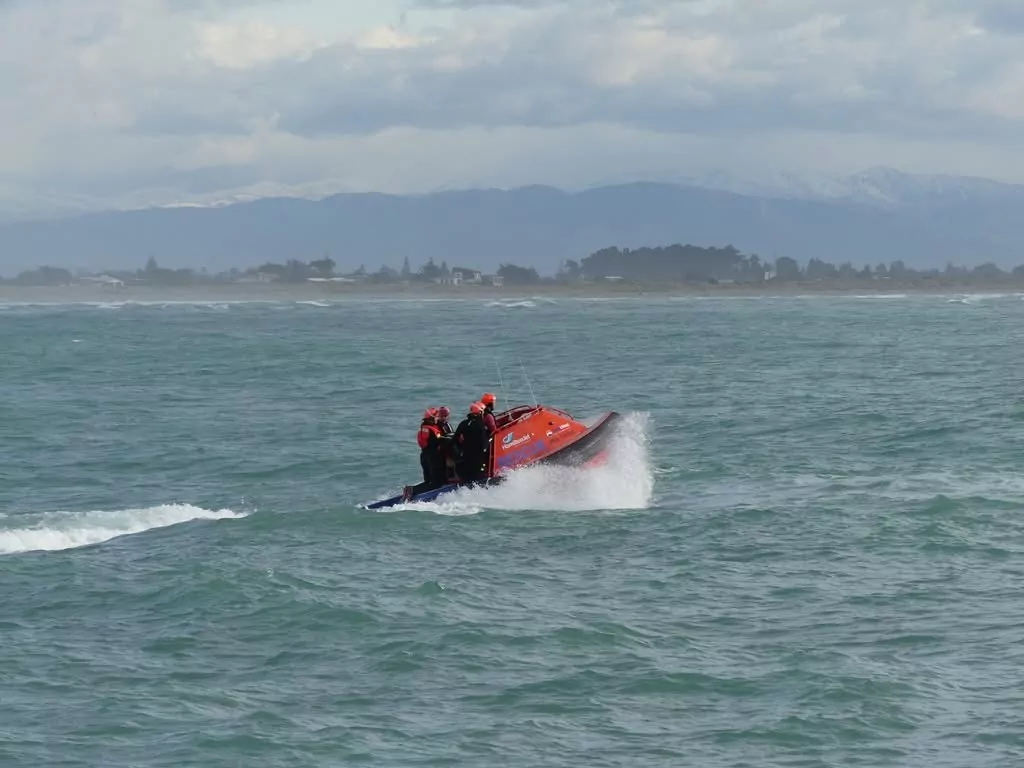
x=504 y=393
x=532 y=396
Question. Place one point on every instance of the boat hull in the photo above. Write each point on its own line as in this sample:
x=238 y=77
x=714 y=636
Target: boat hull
x=590 y=448
x=431 y=495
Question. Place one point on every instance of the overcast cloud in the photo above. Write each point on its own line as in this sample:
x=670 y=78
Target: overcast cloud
x=126 y=102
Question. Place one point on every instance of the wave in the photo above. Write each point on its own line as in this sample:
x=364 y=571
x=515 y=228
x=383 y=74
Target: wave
x=67 y=530
x=624 y=482
x=524 y=304
x=70 y=304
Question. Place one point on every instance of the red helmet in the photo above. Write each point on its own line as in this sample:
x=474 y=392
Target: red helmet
x=429 y=413
x=443 y=412
x=488 y=399
x=476 y=408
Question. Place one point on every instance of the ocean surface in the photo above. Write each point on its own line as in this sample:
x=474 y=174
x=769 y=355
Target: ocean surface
x=808 y=549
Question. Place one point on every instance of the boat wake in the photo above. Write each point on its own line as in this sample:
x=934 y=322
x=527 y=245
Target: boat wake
x=624 y=482
x=67 y=530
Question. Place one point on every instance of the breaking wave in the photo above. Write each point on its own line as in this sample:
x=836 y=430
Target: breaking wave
x=624 y=482
x=67 y=530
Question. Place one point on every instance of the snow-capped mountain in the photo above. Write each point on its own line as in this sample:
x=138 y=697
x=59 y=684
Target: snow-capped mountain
x=874 y=186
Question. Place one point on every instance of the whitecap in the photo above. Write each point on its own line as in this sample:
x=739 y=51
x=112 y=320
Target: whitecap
x=67 y=530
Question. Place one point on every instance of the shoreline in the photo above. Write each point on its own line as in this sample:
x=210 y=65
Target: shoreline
x=249 y=292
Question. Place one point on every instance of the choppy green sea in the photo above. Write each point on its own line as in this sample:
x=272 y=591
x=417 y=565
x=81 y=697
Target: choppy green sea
x=807 y=551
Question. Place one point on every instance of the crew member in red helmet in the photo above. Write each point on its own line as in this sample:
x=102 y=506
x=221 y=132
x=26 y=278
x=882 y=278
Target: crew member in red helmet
x=488 y=401
x=447 y=453
x=472 y=441
x=429 y=441
x=442 y=420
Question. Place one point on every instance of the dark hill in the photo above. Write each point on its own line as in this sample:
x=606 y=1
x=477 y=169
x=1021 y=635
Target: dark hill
x=531 y=226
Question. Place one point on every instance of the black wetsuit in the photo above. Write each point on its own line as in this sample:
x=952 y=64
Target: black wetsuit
x=433 y=475
x=445 y=451
x=471 y=438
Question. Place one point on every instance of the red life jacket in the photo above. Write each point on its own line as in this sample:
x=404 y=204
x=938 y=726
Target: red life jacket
x=426 y=430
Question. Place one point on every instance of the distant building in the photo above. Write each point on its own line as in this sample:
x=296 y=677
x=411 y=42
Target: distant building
x=463 y=275
x=466 y=275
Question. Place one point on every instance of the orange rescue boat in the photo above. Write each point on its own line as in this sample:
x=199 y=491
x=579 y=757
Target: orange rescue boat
x=528 y=435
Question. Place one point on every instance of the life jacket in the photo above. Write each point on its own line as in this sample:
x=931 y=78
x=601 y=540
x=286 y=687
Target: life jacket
x=428 y=431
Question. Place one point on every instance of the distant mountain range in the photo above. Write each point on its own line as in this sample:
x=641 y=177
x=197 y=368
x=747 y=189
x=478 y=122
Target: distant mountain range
x=876 y=216
x=877 y=186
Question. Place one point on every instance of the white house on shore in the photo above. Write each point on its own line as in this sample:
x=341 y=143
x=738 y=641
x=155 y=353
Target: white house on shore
x=467 y=276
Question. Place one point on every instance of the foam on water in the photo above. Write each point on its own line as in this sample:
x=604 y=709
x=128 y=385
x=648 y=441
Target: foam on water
x=624 y=481
x=991 y=486
x=67 y=530
x=881 y=296
x=523 y=304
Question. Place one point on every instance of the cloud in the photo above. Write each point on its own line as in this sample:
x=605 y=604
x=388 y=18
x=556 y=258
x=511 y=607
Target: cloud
x=1004 y=17
x=244 y=46
x=117 y=97
x=777 y=66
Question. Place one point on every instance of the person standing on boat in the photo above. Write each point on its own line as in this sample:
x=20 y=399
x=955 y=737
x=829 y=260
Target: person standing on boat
x=429 y=441
x=442 y=421
x=488 y=401
x=472 y=441
x=445 y=444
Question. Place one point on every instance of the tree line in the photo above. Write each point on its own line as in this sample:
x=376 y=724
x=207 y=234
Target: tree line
x=291 y=271
x=673 y=263
x=690 y=263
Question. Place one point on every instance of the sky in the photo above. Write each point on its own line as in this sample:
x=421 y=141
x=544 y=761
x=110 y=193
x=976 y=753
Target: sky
x=123 y=103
